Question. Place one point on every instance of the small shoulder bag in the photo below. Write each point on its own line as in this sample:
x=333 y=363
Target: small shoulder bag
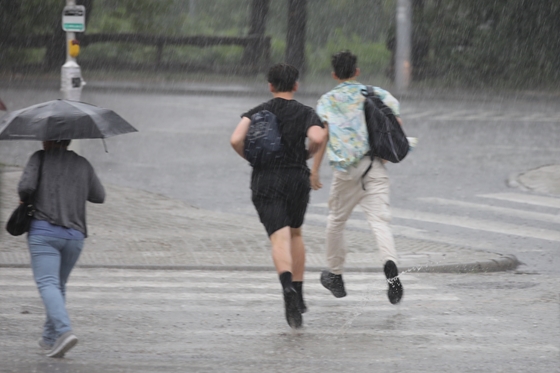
x=20 y=220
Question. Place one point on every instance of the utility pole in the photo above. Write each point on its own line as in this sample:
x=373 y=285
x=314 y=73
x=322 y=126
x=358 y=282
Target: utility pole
x=192 y=8
x=403 y=65
x=73 y=20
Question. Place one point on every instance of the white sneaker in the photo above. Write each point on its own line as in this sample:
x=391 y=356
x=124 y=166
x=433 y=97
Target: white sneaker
x=63 y=344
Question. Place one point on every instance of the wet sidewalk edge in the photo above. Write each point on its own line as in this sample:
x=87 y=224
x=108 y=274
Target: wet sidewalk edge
x=505 y=263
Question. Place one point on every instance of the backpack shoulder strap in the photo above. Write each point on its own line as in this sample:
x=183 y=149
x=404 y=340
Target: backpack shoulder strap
x=368 y=91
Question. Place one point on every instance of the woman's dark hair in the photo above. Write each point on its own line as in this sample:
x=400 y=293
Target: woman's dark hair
x=64 y=143
x=344 y=64
x=283 y=77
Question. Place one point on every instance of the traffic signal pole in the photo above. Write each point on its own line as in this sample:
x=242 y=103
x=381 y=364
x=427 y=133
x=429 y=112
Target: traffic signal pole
x=71 y=82
x=73 y=19
x=403 y=64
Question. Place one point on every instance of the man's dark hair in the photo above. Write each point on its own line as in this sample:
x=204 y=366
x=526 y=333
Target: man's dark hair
x=283 y=77
x=344 y=64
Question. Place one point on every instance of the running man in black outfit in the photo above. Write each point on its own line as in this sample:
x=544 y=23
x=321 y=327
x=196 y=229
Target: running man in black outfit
x=280 y=192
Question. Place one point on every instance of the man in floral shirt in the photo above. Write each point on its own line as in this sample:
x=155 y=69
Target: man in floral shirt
x=342 y=111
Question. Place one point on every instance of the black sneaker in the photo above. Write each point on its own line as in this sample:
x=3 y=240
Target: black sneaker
x=395 y=291
x=301 y=304
x=333 y=283
x=291 y=302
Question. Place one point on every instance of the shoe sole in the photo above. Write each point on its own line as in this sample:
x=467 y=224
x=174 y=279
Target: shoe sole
x=293 y=314
x=395 y=291
x=64 y=347
x=336 y=293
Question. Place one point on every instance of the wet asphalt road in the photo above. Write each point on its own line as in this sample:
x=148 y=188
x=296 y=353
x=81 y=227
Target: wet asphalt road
x=232 y=321
x=447 y=188
x=451 y=188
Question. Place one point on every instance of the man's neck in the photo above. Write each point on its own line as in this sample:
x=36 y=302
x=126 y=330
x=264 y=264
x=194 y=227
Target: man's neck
x=284 y=95
x=352 y=79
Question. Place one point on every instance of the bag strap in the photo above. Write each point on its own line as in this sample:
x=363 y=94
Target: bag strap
x=42 y=158
x=366 y=172
x=368 y=92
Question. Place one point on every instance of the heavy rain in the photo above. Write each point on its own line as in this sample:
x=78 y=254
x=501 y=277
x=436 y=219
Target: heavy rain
x=195 y=261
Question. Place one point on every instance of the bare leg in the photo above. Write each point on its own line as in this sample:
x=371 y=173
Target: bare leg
x=281 y=252
x=298 y=254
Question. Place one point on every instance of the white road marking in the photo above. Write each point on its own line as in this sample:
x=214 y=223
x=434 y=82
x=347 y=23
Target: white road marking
x=478 y=224
x=525 y=198
x=530 y=215
x=458 y=221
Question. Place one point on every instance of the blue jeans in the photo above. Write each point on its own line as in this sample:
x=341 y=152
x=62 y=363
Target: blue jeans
x=52 y=260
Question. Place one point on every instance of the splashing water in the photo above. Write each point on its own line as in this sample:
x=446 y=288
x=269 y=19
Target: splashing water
x=368 y=297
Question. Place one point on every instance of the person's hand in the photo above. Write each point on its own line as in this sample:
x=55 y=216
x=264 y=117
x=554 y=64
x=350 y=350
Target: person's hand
x=315 y=181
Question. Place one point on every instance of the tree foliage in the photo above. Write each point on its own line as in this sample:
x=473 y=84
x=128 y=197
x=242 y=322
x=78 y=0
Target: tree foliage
x=516 y=41
x=459 y=40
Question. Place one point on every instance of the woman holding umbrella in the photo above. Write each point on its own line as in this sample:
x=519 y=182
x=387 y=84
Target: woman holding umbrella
x=61 y=182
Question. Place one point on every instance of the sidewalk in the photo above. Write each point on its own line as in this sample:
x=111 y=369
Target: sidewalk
x=137 y=229
x=251 y=87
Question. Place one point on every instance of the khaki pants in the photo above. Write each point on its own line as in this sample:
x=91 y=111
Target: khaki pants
x=347 y=192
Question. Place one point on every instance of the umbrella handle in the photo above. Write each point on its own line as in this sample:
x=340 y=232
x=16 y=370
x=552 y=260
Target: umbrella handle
x=105 y=145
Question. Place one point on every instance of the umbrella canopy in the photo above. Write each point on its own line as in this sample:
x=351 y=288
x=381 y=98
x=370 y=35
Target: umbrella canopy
x=62 y=120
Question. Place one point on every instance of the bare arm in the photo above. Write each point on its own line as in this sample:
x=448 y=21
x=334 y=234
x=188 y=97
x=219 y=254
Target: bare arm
x=318 y=158
x=238 y=137
x=317 y=138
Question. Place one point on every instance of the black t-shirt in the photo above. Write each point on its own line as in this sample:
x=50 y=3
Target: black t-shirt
x=294 y=119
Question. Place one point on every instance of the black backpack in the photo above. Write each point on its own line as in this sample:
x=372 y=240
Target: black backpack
x=386 y=136
x=263 y=143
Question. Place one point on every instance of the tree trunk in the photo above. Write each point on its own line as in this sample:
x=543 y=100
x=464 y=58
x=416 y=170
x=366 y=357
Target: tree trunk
x=255 y=50
x=420 y=41
x=295 y=38
x=56 y=49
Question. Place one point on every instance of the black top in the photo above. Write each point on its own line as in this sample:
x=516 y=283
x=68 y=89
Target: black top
x=294 y=119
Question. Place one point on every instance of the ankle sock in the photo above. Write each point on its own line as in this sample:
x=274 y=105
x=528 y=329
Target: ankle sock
x=286 y=279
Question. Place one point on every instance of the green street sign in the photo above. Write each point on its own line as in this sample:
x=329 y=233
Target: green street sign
x=79 y=27
x=74 y=18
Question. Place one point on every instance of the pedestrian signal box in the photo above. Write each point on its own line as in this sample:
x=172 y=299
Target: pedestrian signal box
x=74 y=18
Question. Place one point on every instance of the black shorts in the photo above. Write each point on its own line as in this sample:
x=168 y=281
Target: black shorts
x=280 y=197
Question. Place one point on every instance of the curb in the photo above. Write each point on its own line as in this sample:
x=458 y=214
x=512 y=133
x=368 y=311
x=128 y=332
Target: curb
x=247 y=91
x=506 y=263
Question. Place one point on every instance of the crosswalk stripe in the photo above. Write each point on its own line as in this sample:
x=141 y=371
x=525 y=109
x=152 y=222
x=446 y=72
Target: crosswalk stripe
x=478 y=224
x=488 y=116
x=108 y=275
x=120 y=284
x=500 y=210
x=363 y=224
x=225 y=296
x=465 y=222
x=525 y=198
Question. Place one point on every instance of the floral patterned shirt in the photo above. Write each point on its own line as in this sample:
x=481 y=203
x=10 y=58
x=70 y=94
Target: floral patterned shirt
x=342 y=109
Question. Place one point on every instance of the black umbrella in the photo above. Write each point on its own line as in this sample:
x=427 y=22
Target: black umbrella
x=62 y=120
